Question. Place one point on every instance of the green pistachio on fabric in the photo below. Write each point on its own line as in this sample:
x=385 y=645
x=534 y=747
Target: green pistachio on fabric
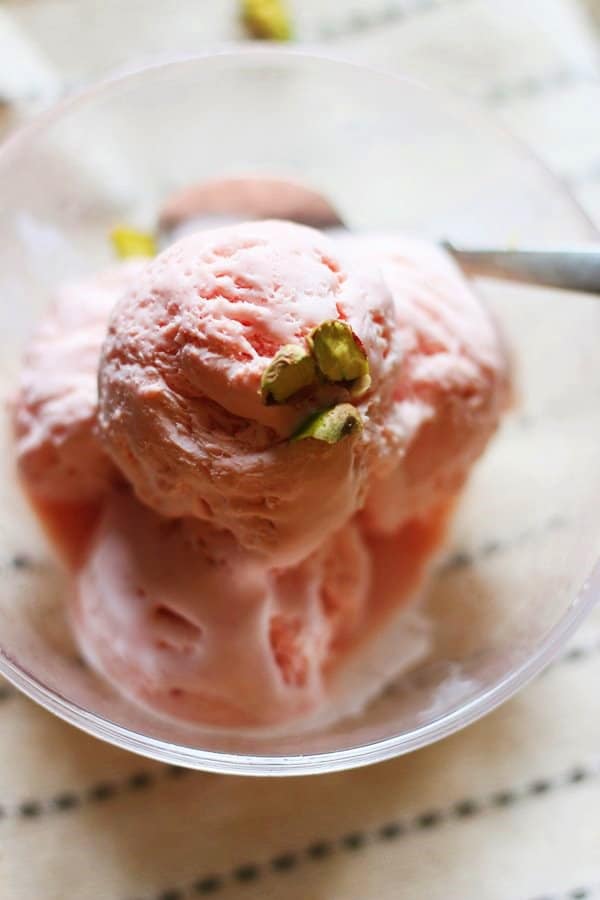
x=267 y=19
x=330 y=425
x=291 y=369
x=338 y=352
x=128 y=242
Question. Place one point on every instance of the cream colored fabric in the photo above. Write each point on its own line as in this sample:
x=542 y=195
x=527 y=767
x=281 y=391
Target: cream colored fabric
x=506 y=810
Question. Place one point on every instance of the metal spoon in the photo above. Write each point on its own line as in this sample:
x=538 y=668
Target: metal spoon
x=223 y=201
x=569 y=268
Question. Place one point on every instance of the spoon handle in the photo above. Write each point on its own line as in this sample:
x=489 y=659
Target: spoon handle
x=576 y=269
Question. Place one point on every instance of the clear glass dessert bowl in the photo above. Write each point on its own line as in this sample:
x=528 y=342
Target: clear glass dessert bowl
x=517 y=573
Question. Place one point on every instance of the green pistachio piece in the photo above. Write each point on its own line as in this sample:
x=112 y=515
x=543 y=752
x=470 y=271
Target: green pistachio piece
x=331 y=425
x=290 y=370
x=128 y=242
x=267 y=19
x=339 y=354
x=360 y=386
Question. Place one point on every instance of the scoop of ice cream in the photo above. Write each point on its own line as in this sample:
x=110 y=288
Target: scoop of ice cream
x=243 y=198
x=54 y=411
x=185 y=621
x=181 y=408
x=454 y=383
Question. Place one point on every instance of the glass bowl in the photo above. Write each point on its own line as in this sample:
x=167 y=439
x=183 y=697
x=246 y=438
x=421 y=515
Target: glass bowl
x=515 y=579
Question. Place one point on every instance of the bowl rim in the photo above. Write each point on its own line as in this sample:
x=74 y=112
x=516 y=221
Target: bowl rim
x=451 y=721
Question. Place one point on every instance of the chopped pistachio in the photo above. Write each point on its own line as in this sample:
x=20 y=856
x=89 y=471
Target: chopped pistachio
x=330 y=425
x=129 y=242
x=360 y=386
x=339 y=354
x=267 y=19
x=291 y=369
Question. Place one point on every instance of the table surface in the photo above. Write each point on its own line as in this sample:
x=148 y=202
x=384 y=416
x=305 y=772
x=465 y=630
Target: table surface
x=506 y=809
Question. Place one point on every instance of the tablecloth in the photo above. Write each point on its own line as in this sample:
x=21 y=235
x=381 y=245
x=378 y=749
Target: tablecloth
x=508 y=809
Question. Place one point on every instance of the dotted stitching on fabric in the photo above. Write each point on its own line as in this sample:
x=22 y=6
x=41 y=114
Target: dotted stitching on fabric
x=354 y=841
x=530 y=87
x=6 y=692
x=21 y=561
x=497 y=95
x=389 y=13
x=463 y=559
x=577 y=893
x=97 y=793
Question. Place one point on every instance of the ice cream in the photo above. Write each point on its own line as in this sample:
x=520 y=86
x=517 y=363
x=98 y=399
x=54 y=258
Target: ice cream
x=196 y=627
x=183 y=410
x=58 y=451
x=270 y=427
x=453 y=385
x=223 y=200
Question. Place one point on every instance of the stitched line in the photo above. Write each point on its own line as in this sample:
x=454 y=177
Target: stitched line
x=142 y=780
x=20 y=562
x=528 y=88
x=23 y=562
x=496 y=95
x=356 y=841
x=577 y=653
x=98 y=793
x=577 y=893
x=7 y=692
x=464 y=559
x=388 y=14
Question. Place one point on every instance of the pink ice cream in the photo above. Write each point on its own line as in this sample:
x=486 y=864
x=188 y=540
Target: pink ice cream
x=250 y=197
x=187 y=622
x=59 y=455
x=232 y=576
x=180 y=408
x=453 y=385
